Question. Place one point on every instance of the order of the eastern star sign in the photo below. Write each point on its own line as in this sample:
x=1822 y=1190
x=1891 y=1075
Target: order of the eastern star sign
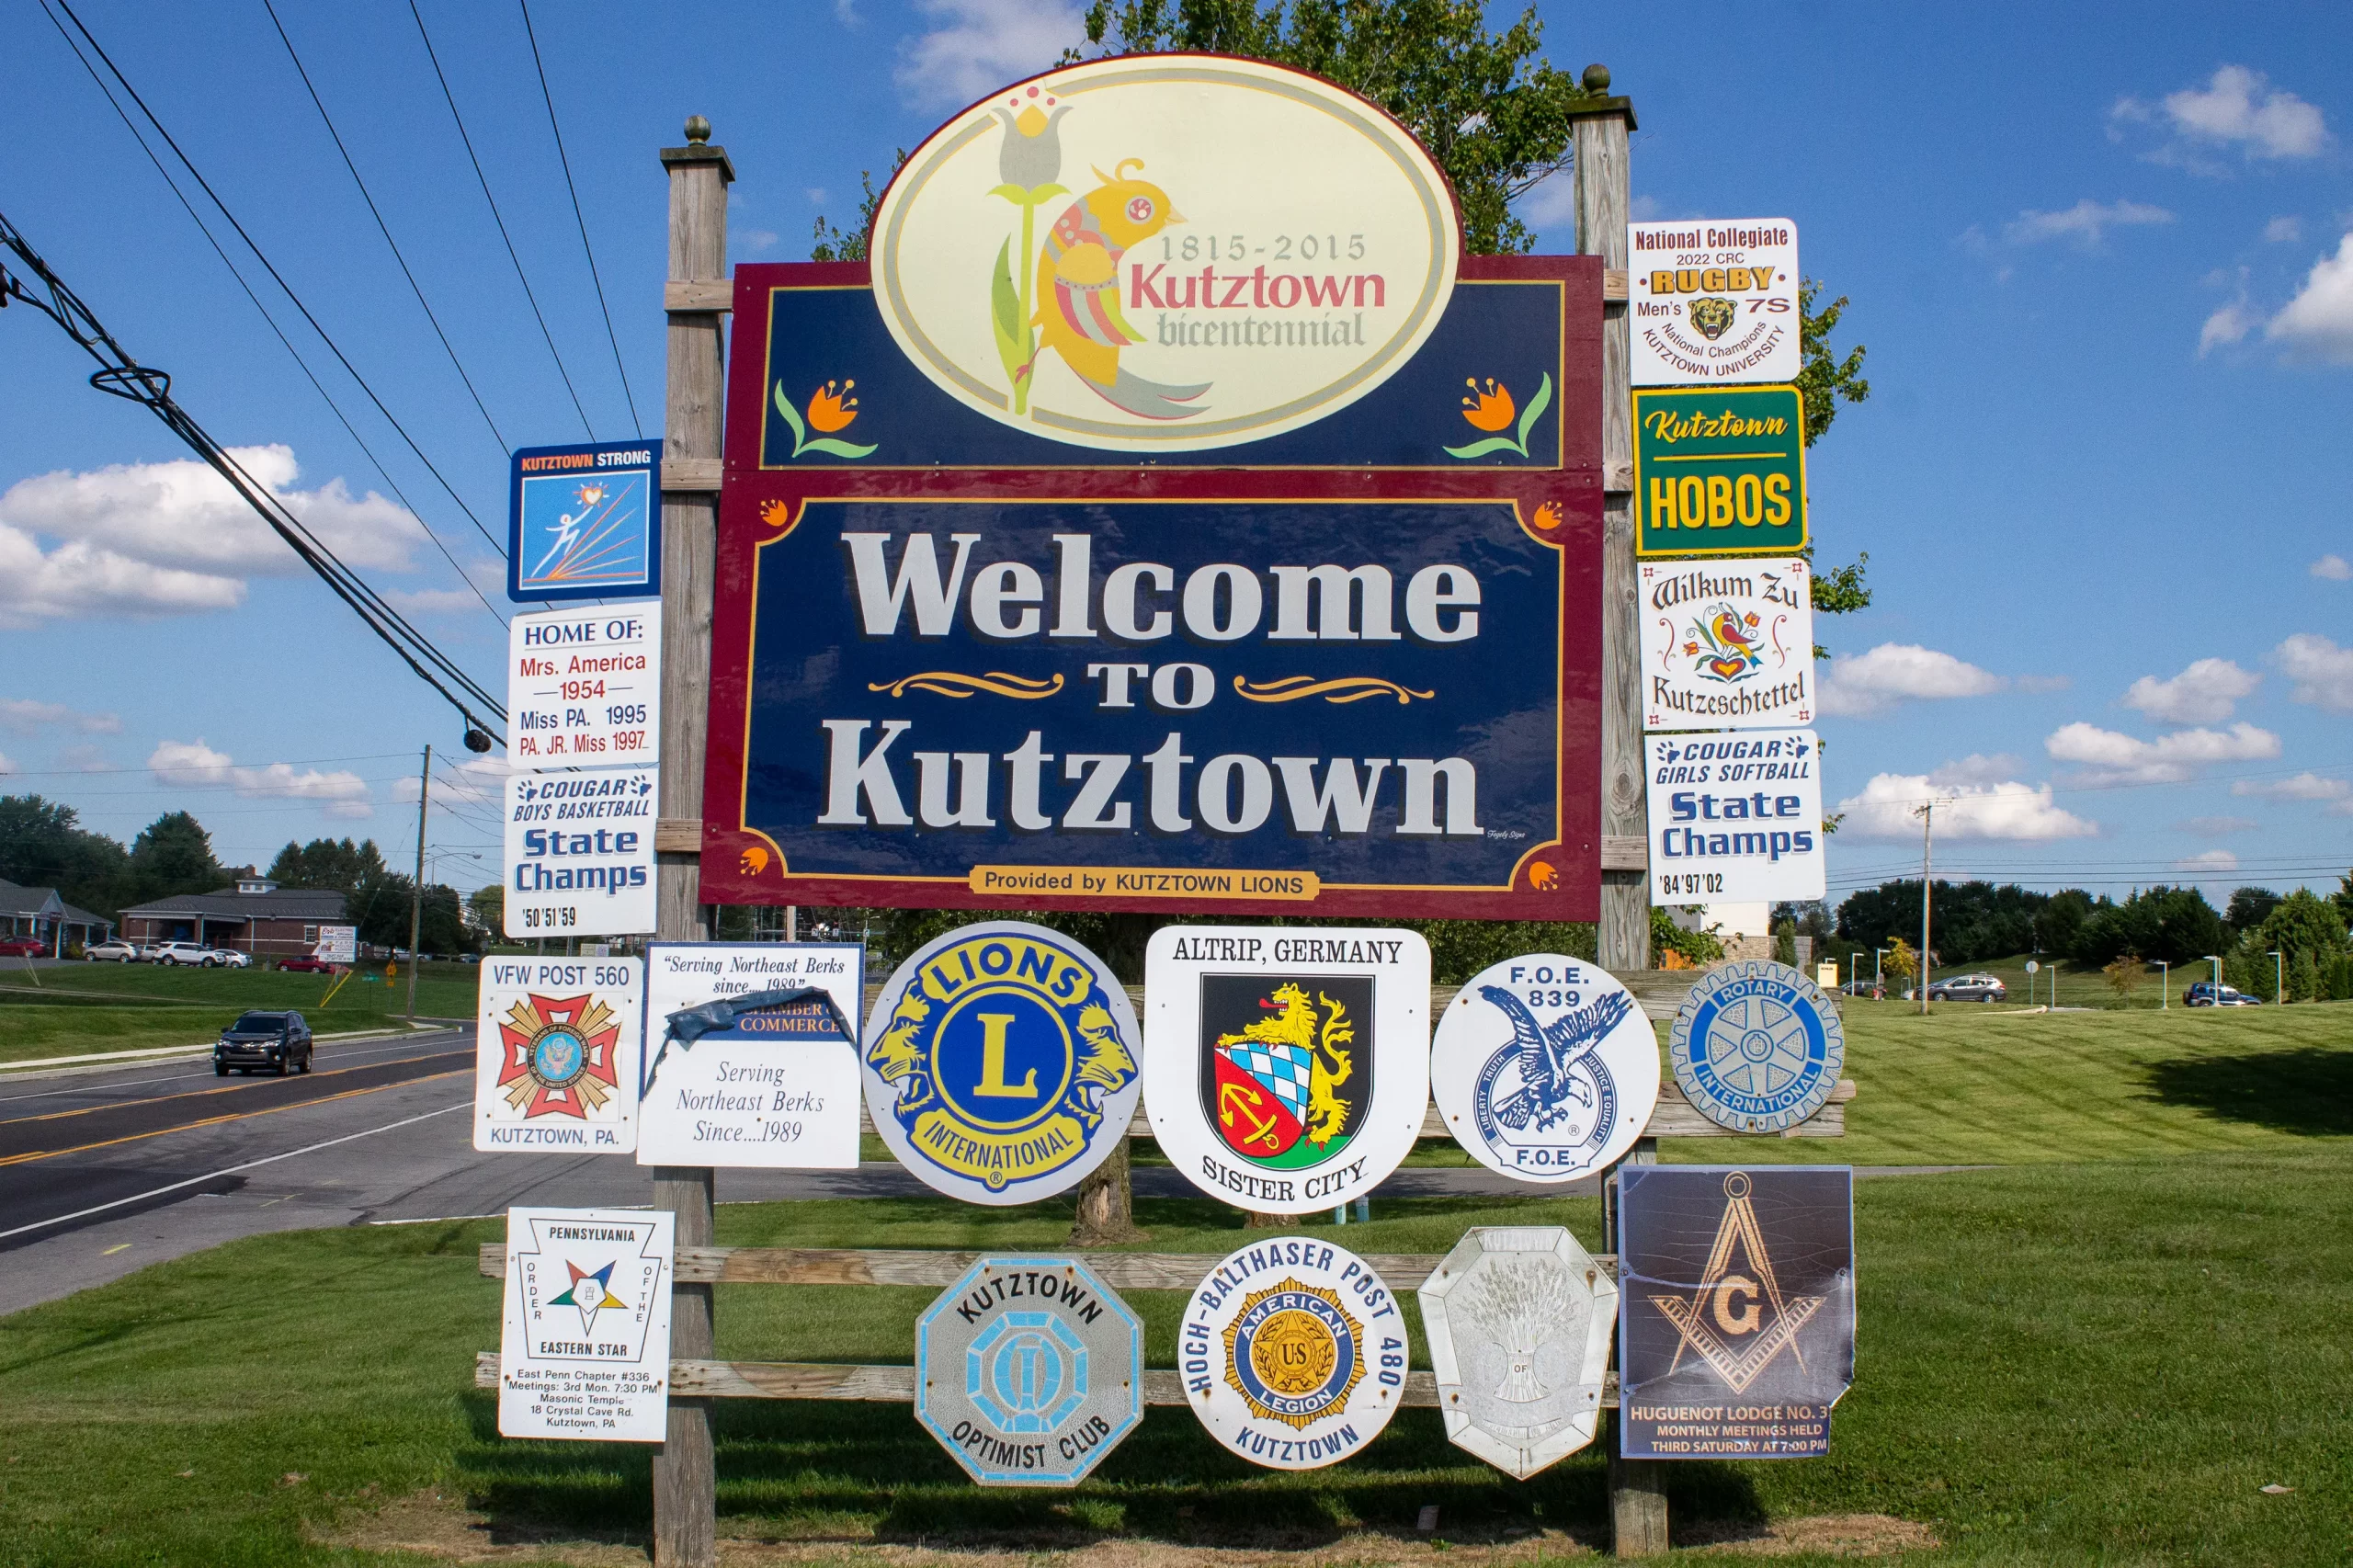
x=590 y=1292
x=559 y=1055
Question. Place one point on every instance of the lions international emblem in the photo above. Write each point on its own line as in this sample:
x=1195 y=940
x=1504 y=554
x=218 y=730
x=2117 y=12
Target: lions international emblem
x=1710 y=316
x=1281 y=1076
x=1001 y=1063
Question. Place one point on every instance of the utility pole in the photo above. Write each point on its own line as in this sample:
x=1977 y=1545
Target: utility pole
x=685 y=1468
x=1927 y=815
x=416 y=888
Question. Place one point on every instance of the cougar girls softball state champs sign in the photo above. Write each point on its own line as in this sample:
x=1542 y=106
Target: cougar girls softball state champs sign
x=556 y=1054
x=1293 y=1353
x=1169 y=518
x=1000 y=1062
x=1288 y=1068
x=1545 y=1068
x=1757 y=1047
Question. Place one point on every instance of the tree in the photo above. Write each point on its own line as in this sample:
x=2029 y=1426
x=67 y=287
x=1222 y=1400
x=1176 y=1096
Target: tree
x=1785 y=941
x=2343 y=897
x=2125 y=972
x=2304 y=983
x=2302 y=924
x=1902 y=962
x=379 y=907
x=2174 y=924
x=42 y=844
x=2249 y=907
x=487 y=907
x=174 y=855
x=328 y=864
x=441 y=922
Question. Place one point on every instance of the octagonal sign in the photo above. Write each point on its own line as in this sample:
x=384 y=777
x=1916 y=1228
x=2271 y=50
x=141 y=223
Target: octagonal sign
x=1028 y=1371
x=1518 y=1318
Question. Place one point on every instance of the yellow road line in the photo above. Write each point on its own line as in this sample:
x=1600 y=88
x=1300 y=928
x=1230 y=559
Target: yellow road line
x=233 y=1116
x=222 y=1089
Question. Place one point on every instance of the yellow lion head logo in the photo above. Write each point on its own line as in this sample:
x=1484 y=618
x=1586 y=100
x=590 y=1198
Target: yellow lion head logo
x=1710 y=317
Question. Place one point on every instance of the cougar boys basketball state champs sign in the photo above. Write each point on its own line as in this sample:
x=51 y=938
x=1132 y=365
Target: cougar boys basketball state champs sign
x=1168 y=518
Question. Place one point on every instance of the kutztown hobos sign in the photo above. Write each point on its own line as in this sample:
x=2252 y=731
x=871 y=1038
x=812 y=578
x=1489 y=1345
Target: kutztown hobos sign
x=1169 y=518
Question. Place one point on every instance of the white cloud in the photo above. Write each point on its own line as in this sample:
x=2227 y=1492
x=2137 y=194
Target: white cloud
x=24 y=716
x=2319 y=320
x=2087 y=222
x=2284 y=231
x=2337 y=794
x=1978 y=768
x=7 y=765
x=983 y=44
x=478 y=780
x=81 y=581
x=2234 y=109
x=2007 y=809
x=2227 y=325
x=2323 y=671
x=2109 y=757
x=2202 y=694
x=192 y=765
x=2214 y=828
x=2331 y=567
x=1552 y=202
x=2208 y=862
x=1863 y=686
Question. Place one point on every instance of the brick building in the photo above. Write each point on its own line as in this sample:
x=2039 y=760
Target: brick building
x=39 y=912
x=257 y=916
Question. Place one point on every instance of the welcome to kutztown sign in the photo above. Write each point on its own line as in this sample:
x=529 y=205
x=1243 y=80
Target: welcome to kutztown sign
x=1170 y=518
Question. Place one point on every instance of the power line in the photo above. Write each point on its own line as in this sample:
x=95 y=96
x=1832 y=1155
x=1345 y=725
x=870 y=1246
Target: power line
x=269 y=267
x=270 y=320
x=581 y=218
x=382 y=227
x=496 y=217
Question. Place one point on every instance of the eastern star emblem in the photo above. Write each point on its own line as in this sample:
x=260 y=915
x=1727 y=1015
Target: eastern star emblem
x=589 y=1292
x=559 y=1056
x=1725 y=1310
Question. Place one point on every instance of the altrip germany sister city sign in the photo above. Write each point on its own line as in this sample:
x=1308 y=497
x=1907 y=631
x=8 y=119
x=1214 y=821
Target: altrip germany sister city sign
x=1168 y=517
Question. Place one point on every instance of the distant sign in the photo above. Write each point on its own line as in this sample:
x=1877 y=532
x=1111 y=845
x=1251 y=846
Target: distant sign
x=1736 y=1304
x=556 y=1054
x=339 y=944
x=1028 y=1371
x=585 y=521
x=1545 y=1068
x=1519 y=1319
x=583 y=1350
x=1714 y=299
x=1735 y=817
x=1757 y=1047
x=1719 y=470
x=1727 y=644
x=580 y=852
x=752 y=1054
x=1288 y=1067
x=583 y=687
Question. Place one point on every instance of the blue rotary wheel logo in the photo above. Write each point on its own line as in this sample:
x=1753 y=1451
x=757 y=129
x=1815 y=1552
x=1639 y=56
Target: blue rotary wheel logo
x=1026 y=1372
x=1757 y=1047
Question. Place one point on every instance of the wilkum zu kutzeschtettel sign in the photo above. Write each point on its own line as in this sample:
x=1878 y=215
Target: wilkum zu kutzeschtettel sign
x=1168 y=517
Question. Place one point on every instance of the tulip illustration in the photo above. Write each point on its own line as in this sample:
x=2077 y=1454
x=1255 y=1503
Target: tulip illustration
x=1490 y=407
x=1029 y=162
x=831 y=408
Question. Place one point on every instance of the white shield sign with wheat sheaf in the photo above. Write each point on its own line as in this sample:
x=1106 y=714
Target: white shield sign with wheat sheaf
x=1519 y=1318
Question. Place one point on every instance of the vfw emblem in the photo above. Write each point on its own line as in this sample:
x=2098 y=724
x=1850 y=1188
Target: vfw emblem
x=559 y=1057
x=1282 y=1079
x=1001 y=1065
x=1293 y=1353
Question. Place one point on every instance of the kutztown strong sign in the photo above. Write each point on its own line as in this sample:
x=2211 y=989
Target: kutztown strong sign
x=1084 y=552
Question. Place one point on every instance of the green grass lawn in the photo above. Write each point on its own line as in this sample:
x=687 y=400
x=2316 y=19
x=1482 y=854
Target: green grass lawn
x=69 y=1008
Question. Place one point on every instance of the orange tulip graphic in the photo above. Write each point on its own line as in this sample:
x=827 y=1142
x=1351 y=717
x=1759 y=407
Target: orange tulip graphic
x=1548 y=516
x=754 y=860
x=1490 y=410
x=1542 y=877
x=832 y=409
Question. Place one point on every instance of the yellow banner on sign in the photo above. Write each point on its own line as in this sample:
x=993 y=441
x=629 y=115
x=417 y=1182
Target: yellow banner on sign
x=1123 y=882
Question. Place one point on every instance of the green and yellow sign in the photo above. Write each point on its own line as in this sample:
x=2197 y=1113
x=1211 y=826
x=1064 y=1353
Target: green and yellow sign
x=1719 y=470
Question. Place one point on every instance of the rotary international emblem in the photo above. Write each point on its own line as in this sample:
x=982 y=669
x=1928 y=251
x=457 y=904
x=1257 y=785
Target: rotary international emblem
x=559 y=1055
x=1757 y=1047
x=1002 y=1066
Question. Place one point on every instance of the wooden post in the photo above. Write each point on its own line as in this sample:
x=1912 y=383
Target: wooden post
x=416 y=889
x=1604 y=203
x=685 y=1471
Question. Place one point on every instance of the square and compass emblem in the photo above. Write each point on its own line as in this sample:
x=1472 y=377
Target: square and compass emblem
x=1737 y=1309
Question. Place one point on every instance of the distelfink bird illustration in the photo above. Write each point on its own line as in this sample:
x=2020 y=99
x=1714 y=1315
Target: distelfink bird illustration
x=1078 y=291
x=1547 y=1055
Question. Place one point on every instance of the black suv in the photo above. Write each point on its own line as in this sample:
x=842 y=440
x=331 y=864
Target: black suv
x=280 y=1041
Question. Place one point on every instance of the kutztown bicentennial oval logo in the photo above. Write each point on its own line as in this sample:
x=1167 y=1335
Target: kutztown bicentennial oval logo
x=1164 y=253
x=1292 y=1352
x=1545 y=1068
x=1757 y=1047
x=1000 y=1062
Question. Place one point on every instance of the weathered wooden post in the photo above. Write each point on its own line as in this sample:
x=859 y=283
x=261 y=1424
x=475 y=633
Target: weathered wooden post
x=1604 y=203
x=685 y=1477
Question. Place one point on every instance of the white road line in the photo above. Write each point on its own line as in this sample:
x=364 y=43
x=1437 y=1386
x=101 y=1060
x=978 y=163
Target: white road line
x=339 y=1055
x=233 y=1170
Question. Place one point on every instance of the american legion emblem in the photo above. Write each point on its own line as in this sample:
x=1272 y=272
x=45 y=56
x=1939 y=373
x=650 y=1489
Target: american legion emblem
x=1000 y=1062
x=1757 y=1047
x=1737 y=1308
x=1519 y=1319
x=1292 y=1352
x=1028 y=1371
x=1288 y=1068
x=556 y=1047
x=1545 y=1068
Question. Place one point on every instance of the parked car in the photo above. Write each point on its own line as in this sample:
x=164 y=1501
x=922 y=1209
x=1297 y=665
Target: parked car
x=1968 y=988
x=181 y=954
x=230 y=958
x=469 y=958
x=280 y=1041
x=306 y=963
x=1874 y=989
x=22 y=947
x=114 y=950
x=2205 y=994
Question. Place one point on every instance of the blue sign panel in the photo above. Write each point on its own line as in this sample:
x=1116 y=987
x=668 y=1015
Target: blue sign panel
x=1757 y=1047
x=584 y=522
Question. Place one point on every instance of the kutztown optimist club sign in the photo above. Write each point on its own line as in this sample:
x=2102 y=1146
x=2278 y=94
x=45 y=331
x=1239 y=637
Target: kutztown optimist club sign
x=1169 y=518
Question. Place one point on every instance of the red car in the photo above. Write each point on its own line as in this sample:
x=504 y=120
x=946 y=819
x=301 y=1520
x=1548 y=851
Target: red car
x=22 y=947
x=309 y=963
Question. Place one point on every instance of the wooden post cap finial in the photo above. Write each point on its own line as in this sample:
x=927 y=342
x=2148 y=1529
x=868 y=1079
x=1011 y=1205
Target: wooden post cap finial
x=698 y=129
x=1597 y=78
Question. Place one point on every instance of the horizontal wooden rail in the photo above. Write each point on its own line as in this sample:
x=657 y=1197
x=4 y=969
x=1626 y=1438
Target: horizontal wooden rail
x=703 y=296
x=829 y=1379
x=1613 y=285
x=690 y=473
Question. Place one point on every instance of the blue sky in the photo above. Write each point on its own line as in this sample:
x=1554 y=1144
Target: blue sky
x=2103 y=258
